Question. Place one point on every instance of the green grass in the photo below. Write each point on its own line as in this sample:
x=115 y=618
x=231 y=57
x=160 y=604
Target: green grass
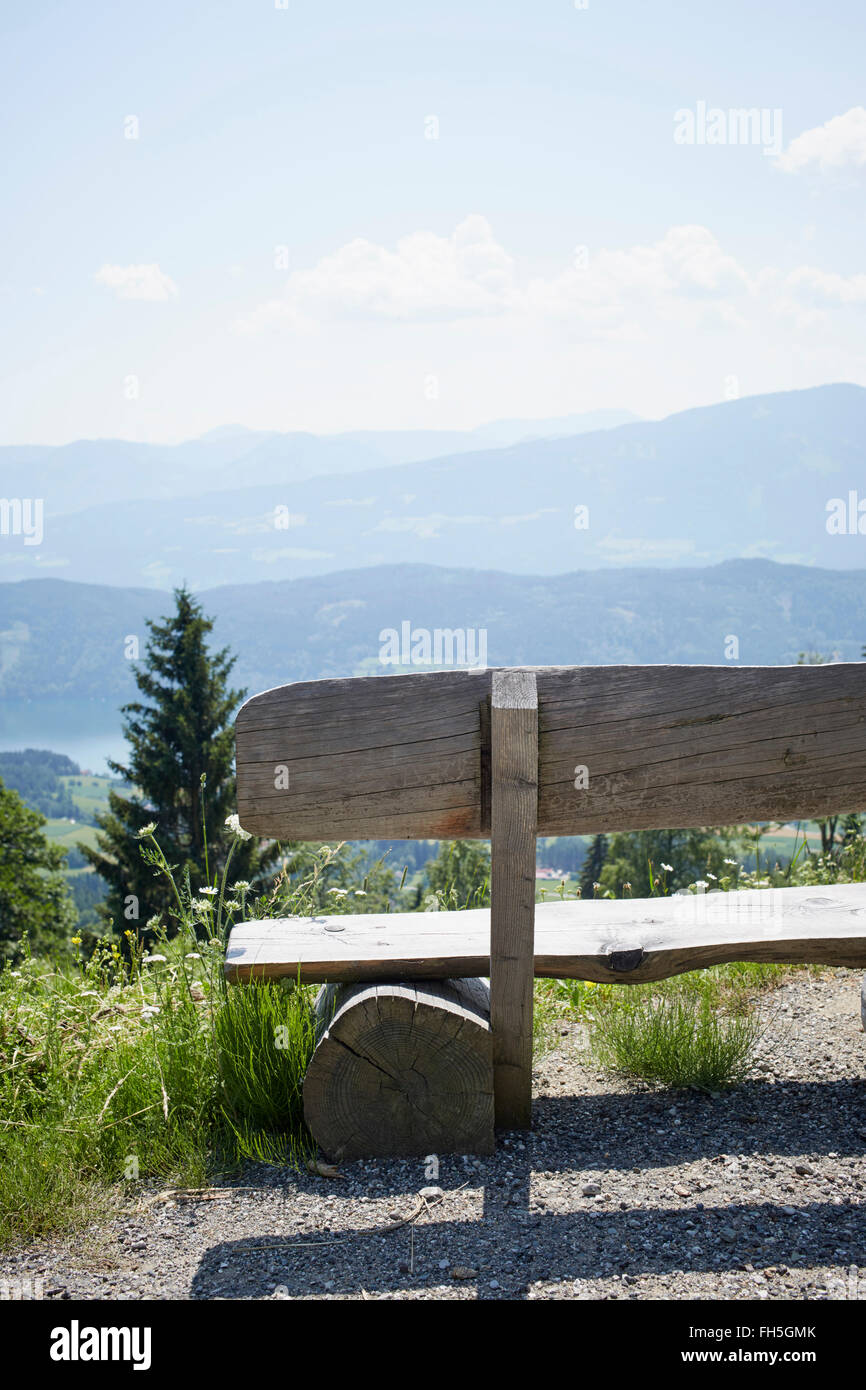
x=90 y=794
x=90 y=797
x=62 y=832
x=135 y=1066
x=265 y=1035
x=697 y=1029
x=675 y=1037
x=110 y=1076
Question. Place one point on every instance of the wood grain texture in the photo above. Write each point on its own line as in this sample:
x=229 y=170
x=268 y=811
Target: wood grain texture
x=613 y=942
x=402 y=1069
x=514 y=805
x=402 y=757
x=679 y=746
x=395 y=757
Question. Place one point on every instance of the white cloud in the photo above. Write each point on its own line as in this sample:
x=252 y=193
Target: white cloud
x=137 y=281
x=427 y=278
x=611 y=313
x=650 y=551
x=428 y=527
x=470 y=275
x=529 y=516
x=834 y=145
x=277 y=556
x=686 y=264
x=823 y=285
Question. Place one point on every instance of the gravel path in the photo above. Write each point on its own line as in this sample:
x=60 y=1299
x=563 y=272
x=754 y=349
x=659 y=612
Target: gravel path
x=619 y=1191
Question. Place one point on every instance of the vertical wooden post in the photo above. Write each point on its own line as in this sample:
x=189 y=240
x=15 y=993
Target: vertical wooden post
x=513 y=821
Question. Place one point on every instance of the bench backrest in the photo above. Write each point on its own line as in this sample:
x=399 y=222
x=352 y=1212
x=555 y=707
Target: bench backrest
x=619 y=748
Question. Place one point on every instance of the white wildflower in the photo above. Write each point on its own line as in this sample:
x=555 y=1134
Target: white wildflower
x=151 y=960
x=211 y=892
x=668 y=868
x=147 y=830
x=234 y=824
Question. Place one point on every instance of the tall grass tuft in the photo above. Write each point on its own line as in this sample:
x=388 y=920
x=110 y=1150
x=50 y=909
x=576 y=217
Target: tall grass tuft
x=675 y=1036
x=265 y=1035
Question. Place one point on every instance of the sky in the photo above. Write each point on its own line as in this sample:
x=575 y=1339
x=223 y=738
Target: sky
x=337 y=216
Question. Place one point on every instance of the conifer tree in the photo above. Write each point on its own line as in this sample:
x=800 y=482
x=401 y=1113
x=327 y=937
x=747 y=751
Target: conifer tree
x=590 y=873
x=180 y=774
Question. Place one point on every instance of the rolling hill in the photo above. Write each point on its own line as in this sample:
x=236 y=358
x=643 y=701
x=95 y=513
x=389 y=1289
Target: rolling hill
x=63 y=642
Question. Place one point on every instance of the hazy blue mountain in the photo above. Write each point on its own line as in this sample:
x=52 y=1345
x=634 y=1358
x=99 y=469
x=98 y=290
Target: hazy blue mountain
x=745 y=478
x=62 y=642
x=410 y=446
x=90 y=472
x=506 y=432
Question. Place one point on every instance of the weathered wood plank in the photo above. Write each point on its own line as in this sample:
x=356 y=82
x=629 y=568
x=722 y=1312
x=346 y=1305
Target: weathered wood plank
x=395 y=757
x=514 y=802
x=597 y=940
x=408 y=756
x=699 y=745
x=446 y=812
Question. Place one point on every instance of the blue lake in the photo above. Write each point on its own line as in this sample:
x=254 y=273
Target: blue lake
x=88 y=731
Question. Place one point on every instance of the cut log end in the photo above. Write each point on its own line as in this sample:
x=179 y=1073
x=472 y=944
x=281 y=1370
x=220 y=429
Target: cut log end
x=402 y=1070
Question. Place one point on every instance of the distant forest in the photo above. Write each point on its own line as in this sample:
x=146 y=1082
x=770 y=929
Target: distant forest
x=35 y=775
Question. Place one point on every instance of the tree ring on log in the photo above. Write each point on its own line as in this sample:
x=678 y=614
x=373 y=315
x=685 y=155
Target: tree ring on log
x=402 y=1069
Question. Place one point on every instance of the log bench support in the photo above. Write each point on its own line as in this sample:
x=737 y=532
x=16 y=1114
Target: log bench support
x=402 y=1069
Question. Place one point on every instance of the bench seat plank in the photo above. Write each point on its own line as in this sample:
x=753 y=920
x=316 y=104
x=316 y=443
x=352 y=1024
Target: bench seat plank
x=610 y=941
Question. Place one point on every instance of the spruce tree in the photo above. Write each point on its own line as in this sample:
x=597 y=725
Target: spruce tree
x=590 y=873
x=180 y=774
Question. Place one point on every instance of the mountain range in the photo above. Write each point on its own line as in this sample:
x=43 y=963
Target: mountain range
x=94 y=472
x=63 y=642
x=750 y=478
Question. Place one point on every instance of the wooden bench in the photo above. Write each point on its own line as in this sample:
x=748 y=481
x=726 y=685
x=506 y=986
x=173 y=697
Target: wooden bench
x=415 y=1055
